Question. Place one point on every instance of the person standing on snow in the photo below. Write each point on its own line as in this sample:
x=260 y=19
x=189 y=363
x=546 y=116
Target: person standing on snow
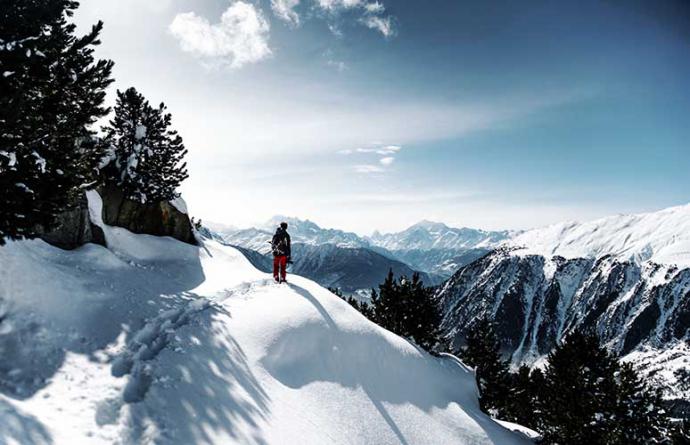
x=281 y=252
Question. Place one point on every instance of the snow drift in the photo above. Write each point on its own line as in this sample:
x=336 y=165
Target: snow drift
x=157 y=341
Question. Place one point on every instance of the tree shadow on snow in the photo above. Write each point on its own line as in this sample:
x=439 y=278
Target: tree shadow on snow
x=81 y=308
x=82 y=294
x=309 y=354
x=16 y=427
x=205 y=386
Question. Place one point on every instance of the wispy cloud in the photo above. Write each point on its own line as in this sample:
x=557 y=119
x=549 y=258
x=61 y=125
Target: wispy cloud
x=387 y=151
x=339 y=65
x=381 y=150
x=374 y=8
x=368 y=168
x=334 y=62
x=285 y=10
x=382 y=24
x=240 y=38
x=372 y=14
x=332 y=5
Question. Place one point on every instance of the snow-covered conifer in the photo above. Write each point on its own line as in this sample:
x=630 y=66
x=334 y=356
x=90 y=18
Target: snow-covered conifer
x=52 y=91
x=145 y=156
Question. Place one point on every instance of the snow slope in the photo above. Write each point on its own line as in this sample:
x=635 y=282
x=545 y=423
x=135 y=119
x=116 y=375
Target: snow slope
x=662 y=237
x=156 y=341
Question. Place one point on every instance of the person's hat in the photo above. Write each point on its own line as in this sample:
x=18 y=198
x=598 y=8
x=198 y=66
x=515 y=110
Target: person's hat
x=283 y=225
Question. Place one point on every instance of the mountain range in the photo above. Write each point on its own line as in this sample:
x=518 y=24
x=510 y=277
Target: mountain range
x=626 y=277
x=351 y=262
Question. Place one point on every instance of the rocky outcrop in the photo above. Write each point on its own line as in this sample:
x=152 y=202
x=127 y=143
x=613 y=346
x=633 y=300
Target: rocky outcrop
x=74 y=228
x=640 y=311
x=535 y=301
x=156 y=218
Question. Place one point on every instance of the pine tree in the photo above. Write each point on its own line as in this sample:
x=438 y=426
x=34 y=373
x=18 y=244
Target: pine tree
x=387 y=305
x=336 y=291
x=408 y=309
x=579 y=396
x=538 y=383
x=640 y=416
x=422 y=314
x=52 y=92
x=522 y=399
x=482 y=351
x=146 y=156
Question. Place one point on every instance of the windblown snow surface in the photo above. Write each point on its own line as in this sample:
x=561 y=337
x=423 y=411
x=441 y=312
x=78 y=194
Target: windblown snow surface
x=155 y=341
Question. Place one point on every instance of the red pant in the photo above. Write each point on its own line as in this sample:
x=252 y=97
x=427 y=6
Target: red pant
x=279 y=267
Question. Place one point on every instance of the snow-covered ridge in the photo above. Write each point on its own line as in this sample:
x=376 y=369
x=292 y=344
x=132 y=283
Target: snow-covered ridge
x=662 y=237
x=156 y=341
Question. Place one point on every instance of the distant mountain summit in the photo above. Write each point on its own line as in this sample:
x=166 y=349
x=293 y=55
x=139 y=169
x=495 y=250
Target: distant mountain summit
x=428 y=235
x=308 y=232
x=343 y=259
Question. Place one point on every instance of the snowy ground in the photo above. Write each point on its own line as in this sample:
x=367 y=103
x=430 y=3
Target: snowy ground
x=155 y=341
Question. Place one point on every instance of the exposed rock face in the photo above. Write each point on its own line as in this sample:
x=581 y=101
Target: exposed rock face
x=74 y=228
x=640 y=311
x=157 y=218
x=535 y=301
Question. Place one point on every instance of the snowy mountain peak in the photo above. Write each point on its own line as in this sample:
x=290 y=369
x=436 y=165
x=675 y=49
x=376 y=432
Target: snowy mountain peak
x=662 y=237
x=428 y=225
x=428 y=235
x=293 y=223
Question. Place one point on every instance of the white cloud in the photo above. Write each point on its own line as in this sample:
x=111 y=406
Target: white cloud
x=371 y=14
x=285 y=10
x=381 y=150
x=390 y=149
x=387 y=151
x=374 y=8
x=332 y=5
x=240 y=38
x=368 y=168
x=382 y=24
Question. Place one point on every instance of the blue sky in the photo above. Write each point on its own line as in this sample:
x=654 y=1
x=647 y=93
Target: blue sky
x=370 y=115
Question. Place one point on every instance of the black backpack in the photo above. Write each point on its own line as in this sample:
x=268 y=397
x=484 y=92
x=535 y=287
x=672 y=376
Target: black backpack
x=280 y=243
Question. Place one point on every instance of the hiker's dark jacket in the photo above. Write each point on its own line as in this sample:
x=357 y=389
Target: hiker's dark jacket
x=281 y=243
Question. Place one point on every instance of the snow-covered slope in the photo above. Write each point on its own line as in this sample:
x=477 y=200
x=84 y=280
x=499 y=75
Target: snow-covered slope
x=156 y=341
x=661 y=237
